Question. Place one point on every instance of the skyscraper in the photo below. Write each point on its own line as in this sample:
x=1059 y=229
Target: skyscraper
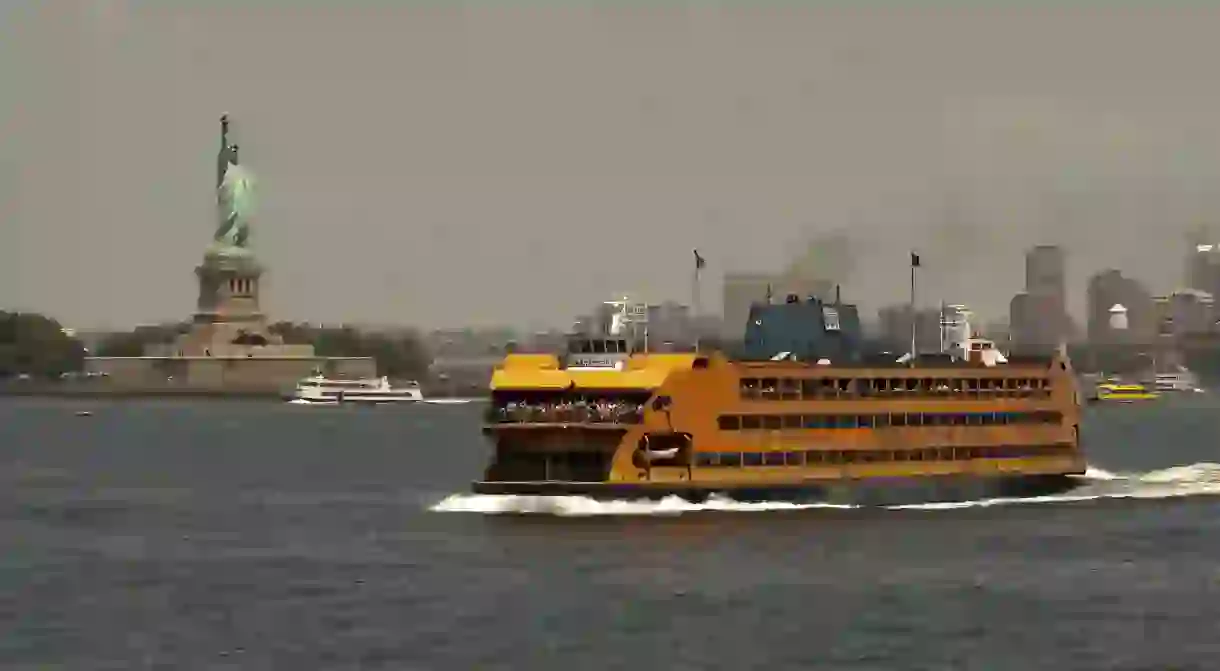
x=1038 y=317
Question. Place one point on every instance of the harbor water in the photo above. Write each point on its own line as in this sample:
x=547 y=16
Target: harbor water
x=255 y=535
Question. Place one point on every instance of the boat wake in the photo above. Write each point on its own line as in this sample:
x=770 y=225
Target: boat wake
x=1202 y=479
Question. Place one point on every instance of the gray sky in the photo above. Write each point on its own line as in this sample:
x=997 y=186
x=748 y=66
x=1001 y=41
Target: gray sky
x=547 y=156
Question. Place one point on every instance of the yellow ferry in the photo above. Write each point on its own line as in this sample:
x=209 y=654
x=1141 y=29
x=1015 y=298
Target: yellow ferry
x=826 y=423
x=1125 y=393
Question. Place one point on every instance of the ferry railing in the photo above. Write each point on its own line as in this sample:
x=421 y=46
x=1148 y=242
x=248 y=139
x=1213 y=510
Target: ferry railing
x=565 y=414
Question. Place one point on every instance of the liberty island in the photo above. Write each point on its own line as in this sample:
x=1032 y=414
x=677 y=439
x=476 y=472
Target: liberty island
x=228 y=345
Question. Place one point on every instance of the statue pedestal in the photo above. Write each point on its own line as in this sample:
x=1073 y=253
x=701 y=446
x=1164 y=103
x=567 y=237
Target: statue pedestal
x=229 y=288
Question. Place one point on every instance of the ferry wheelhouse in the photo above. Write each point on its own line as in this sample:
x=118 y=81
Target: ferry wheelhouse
x=801 y=413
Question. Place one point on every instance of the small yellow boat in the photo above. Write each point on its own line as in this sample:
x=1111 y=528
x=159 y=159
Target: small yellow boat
x=1125 y=393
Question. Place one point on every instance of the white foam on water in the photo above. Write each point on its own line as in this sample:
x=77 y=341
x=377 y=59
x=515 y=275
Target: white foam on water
x=583 y=506
x=1202 y=479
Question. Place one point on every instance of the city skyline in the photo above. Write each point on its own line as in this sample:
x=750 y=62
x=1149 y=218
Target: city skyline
x=420 y=164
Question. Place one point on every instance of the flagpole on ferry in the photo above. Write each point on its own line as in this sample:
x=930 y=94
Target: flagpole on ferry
x=914 y=320
x=694 y=299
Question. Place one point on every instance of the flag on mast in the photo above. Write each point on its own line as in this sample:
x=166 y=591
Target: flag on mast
x=700 y=262
x=914 y=260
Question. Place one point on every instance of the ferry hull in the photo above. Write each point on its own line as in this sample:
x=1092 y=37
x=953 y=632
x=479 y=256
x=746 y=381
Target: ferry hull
x=867 y=492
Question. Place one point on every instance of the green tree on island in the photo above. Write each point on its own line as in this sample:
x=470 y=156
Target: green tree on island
x=36 y=345
x=132 y=343
x=401 y=356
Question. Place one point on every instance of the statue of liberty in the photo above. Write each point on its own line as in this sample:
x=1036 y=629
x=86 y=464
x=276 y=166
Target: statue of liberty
x=234 y=199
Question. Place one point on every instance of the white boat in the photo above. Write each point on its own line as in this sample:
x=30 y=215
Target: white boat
x=1182 y=380
x=318 y=390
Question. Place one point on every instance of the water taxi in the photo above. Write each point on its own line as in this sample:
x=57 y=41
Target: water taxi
x=1125 y=392
x=319 y=390
x=802 y=413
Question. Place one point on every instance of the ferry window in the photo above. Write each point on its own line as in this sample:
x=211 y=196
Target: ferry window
x=814 y=422
x=730 y=459
x=809 y=389
x=817 y=388
x=599 y=347
x=848 y=457
x=911 y=384
x=729 y=423
x=846 y=422
x=792 y=421
x=772 y=422
x=751 y=422
x=881 y=421
x=790 y=389
x=749 y=388
x=974 y=419
x=706 y=459
x=898 y=419
x=770 y=388
x=751 y=459
x=865 y=421
x=794 y=458
x=773 y=459
x=846 y=387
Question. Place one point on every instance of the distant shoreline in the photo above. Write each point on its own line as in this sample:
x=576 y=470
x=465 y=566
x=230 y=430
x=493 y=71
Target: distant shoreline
x=35 y=390
x=29 y=389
